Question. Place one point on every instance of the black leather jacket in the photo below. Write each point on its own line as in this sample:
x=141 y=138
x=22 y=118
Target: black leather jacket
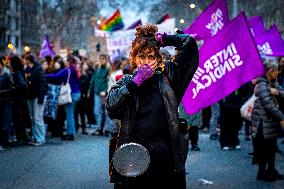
x=122 y=101
x=6 y=88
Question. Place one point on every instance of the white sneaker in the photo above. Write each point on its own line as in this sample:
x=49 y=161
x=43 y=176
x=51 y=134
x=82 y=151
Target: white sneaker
x=238 y=147
x=225 y=148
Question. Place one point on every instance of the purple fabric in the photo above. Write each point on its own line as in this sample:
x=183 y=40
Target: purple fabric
x=135 y=24
x=256 y=25
x=46 y=49
x=227 y=61
x=144 y=73
x=210 y=22
x=270 y=43
x=159 y=38
x=61 y=77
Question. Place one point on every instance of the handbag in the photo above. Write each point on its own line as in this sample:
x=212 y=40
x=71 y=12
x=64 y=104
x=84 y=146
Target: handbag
x=247 y=107
x=65 y=92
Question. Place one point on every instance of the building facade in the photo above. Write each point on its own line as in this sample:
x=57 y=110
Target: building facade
x=29 y=25
x=10 y=25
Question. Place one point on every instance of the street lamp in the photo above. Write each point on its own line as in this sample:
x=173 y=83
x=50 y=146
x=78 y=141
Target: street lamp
x=10 y=46
x=192 y=5
x=181 y=21
x=27 y=49
x=99 y=22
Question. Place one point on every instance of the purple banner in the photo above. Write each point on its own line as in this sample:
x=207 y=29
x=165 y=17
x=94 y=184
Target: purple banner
x=211 y=20
x=256 y=25
x=46 y=49
x=270 y=43
x=135 y=24
x=227 y=61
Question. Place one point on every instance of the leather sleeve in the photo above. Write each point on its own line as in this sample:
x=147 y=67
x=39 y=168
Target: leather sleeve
x=181 y=70
x=118 y=97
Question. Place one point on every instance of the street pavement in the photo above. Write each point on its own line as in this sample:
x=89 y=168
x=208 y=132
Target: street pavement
x=83 y=164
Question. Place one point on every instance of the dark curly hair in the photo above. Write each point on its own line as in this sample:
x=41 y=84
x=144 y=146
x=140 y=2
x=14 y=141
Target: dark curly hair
x=144 y=40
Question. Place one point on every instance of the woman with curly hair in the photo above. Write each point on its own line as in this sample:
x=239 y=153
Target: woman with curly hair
x=147 y=105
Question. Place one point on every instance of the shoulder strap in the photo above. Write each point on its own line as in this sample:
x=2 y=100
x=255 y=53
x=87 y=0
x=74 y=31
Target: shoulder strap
x=69 y=73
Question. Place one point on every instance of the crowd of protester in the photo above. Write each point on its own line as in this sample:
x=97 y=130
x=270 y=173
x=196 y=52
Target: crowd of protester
x=30 y=86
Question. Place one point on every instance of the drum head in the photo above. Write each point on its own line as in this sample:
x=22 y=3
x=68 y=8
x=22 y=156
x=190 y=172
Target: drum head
x=131 y=160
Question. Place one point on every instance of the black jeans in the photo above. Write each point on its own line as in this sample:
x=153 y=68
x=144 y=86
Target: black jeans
x=19 y=121
x=193 y=133
x=81 y=110
x=5 y=122
x=230 y=121
x=265 y=150
x=206 y=116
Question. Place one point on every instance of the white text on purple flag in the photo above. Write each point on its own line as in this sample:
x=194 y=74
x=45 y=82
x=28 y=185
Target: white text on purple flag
x=215 y=68
x=216 y=22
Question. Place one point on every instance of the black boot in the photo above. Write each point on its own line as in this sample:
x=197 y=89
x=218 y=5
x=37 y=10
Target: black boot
x=275 y=174
x=264 y=176
x=67 y=137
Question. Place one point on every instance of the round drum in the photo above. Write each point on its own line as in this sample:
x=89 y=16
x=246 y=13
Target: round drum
x=131 y=160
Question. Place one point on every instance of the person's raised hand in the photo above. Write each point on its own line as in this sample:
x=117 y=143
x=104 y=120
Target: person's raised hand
x=144 y=73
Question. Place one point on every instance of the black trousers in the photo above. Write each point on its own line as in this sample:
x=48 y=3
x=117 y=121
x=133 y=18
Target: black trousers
x=19 y=120
x=206 y=116
x=171 y=182
x=81 y=110
x=193 y=134
x=230 y=121
x=5 y=123
x=264 y=151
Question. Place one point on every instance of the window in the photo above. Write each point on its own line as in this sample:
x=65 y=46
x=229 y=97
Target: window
x=17 y=42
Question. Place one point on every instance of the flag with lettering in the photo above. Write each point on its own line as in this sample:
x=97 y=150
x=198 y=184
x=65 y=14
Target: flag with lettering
x=210 y=22
x=226 y=61
x=270 y=43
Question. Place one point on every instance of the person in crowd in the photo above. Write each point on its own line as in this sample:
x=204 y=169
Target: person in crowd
x=90 y=97
x=7 y=88
x=230 y=117
x=50 y=110
x=194 y=122
x=81 y=108
x=214 y=120
x=20 y=98
x=73 y=74
x=281 y=82
x=267 y=119
x=99 y=86
x=36 y=91
x=112 y=125
x=147 y=103
x=58 y=129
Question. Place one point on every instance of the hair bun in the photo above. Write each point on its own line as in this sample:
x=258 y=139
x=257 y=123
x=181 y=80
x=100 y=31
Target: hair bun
x=147 y=30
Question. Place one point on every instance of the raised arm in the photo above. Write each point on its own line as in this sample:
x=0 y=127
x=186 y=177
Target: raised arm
x=181 y=70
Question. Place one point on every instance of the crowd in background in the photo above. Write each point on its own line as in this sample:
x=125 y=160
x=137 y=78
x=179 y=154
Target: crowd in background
x=30 y=87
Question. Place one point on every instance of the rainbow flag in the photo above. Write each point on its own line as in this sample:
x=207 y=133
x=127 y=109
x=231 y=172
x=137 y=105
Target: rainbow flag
x=113 y=23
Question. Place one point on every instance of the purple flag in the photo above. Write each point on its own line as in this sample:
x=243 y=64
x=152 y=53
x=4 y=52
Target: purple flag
x=270 y=43
x=46 y=49
x=135 y=24
x=212 y=20
x=227 y=61
x=256 y=25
